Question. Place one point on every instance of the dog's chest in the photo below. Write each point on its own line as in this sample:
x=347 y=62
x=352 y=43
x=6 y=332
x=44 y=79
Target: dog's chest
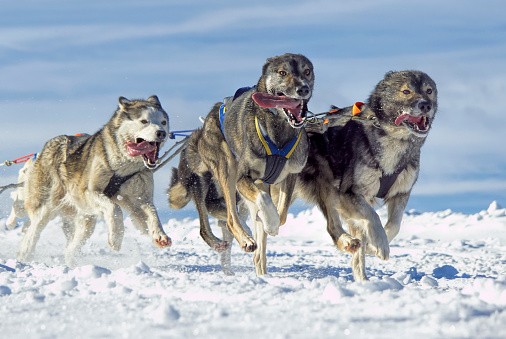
x=392 y=155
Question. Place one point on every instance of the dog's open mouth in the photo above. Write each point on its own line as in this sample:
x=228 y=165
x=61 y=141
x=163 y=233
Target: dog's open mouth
x=418 y=124
x=293 y=108
x=148 y=150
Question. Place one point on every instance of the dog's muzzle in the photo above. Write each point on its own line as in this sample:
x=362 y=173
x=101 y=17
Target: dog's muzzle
x=149 y=150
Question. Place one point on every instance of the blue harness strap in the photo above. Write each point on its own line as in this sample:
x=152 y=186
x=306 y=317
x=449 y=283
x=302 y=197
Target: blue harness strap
x=223 y=109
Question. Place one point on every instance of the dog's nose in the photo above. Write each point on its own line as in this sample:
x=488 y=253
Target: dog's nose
x=161 y=134
x=303 y=91
x=424 y=106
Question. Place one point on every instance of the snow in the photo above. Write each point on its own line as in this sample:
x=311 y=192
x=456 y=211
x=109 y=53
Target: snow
x=446 y=278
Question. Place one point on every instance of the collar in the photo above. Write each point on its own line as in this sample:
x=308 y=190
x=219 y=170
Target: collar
x=271 y=147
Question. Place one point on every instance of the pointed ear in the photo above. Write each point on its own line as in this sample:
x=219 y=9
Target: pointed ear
x=154 y=100
x=122 y=102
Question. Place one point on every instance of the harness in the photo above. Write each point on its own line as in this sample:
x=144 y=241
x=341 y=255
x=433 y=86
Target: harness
x=115 y=184
x=75 y=144
x=386 y=180
x=276 y=158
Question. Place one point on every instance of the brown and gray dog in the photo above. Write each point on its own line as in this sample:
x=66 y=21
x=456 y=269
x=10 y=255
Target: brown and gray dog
x=252 y=140
x=88 y=177
x=375 y=155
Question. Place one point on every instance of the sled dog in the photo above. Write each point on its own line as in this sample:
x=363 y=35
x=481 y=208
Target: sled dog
x=374 y=155
x=18 y=195
x=82 y=178
x=251 y=140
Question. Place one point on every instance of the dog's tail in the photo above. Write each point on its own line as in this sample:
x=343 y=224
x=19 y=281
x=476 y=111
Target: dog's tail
x=179 y=196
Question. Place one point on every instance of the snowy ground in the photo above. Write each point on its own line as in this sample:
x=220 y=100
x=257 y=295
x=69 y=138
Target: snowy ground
x=446 y=278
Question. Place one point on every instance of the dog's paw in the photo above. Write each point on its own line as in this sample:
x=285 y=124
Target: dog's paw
x=228 y=272
x=162 y=241
x=382 y=252
x=115 y=244
x=248 y=245
x=347 y=243
x=268 y=214
x=221 y=246
x=377 y=242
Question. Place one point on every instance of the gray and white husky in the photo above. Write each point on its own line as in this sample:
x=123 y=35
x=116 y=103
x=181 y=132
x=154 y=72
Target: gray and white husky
x=95 y=176
x=253 y=139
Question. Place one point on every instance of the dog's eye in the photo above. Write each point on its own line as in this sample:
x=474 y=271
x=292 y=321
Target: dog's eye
x=282 y=73
x=144 y=122
x=429 y=91
x=406 y=91
x=307 y=72
x=164 y=123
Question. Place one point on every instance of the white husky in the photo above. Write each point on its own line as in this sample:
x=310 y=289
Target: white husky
x=88 y=177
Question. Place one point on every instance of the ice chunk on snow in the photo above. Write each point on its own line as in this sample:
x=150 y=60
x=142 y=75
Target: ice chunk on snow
x=428 y=282
x=91 y=272
x=335 y=294
x=164 y=313
x=494 y=206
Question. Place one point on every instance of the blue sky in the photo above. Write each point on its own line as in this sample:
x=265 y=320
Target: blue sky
x=63 y=65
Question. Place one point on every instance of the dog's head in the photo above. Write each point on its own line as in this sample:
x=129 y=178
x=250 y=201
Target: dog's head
x=143 y=127
x=288 y=81
x=406 y=99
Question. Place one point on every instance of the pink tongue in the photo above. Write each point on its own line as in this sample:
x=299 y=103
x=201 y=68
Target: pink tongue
x=134 y=149
x=273 y=101
x=406 y=116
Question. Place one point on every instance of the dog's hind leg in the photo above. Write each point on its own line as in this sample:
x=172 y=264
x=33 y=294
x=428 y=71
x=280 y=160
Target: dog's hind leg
x=207 y=201
x=225 y=256
x=39 y=219
x=84 y=227
x=205 y=229
x=68 y=228
x=17 y=211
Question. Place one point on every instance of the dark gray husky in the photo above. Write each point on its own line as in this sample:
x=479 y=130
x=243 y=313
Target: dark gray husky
x=254 y=139
x=374 y=155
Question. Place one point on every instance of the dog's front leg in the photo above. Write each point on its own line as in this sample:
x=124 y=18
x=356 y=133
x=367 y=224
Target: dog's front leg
x=285 y=197
x=144 y=216
x=396 y=207
x=355 y=207
x=267 y=212
x=358 y=257
x=155 y=226
x=234 y=223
